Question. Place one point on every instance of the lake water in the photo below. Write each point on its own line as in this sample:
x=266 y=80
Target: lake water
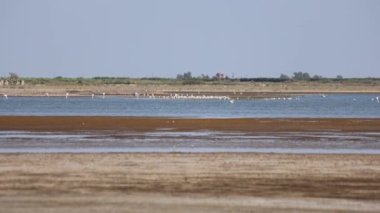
x=333 y=106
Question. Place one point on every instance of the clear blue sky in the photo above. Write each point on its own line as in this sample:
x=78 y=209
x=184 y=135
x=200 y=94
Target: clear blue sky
x=138 y=38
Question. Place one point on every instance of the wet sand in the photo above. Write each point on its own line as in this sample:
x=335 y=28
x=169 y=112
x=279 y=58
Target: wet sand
x=219 y=182
x=188 y=182
x=145 y=124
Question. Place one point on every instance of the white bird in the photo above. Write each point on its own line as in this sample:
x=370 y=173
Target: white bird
x=92 y=96
x=377 y=99
x=5 y=96
x=47 y=94
x=67 y=95
x=323 y=96
x=104 y=95
x=232 y=101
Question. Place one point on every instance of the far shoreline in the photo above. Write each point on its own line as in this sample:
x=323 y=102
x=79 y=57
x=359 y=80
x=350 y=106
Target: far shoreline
x=241 y=90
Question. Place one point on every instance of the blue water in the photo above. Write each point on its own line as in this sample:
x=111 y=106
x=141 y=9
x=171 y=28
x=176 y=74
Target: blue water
x=339 y=105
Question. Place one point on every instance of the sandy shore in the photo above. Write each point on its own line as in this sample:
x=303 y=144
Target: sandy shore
x=233 y=90
x=188 y=182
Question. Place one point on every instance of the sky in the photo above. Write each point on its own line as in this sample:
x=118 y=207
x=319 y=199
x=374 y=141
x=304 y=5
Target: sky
x=162 y=38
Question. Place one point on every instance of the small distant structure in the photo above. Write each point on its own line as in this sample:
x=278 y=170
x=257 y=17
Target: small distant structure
x=13 y=79
x=220 y=76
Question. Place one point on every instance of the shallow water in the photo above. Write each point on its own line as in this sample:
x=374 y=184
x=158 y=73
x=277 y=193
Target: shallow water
x=332 y=106
x=194 y=142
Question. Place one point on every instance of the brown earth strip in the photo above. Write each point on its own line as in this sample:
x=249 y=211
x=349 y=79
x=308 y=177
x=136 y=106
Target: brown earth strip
x=78 y=123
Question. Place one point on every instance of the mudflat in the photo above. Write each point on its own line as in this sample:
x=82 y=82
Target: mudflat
x=88 y=123
x=172 y=182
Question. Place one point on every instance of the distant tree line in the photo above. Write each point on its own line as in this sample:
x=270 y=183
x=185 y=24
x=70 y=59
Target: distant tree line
x=297 y=76
x=188 y=75
x=304 y=76
x=184 y=78
x=188 y=78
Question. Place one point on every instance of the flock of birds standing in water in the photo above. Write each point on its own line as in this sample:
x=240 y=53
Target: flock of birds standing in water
x=204 y=97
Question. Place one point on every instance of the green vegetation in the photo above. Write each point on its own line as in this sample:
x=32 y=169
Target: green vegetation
x=183 y=79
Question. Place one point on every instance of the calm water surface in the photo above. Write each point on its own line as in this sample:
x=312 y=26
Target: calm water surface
x=339 y=105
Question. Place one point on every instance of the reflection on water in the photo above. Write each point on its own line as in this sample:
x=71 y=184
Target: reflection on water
x=198 y=141
x=341 y=105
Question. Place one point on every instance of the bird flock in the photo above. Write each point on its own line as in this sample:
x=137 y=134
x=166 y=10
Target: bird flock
x=199 y=97
x=283 y=98
x=192 y=97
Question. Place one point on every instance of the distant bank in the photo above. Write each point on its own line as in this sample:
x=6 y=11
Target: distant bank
x=234 y=89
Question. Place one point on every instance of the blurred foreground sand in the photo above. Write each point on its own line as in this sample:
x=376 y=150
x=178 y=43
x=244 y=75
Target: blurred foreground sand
x=173 y=182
